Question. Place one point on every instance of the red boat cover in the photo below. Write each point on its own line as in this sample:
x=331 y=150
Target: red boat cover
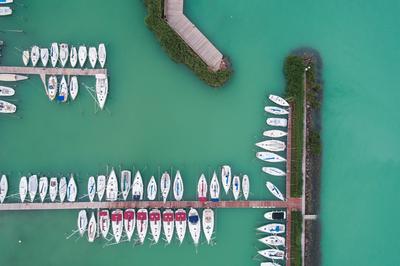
x=116 y=217
x=168 y=216
x=129 y=215
x=155 y=216
x=103 y=213
x=141 y=216
x=180 y=216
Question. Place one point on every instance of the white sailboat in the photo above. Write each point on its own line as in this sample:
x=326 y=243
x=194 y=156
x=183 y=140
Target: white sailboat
x=62 y=188
x=7 y=108
x=54 y=51
x=274 y=190
x=236 y=187
x=208 y=224
x=165 y=185
x=142 y=223
x=73 y=57
x=43 y=187
x=3 y=188
x=137 y=187
x=5 y=11
x=52 y=88
x=44 y=56
x=194 y=225
x=273 y=240
x=23 y=188
x=277 y=122
x=214 y=188
x=73 y=87
x=270 y=157
x=104 y=222
x=226 y=177
x=92 y=56
x=272 y=145
x=246 y=186
x=273 y=171
x=72 y=189
x=92 y=228
x=152 y=189
x=168 y=224
x=117 y=224
x=32 y=187
x=129 y=222
x=278 y=100
x=180 y=224
x=35 y=55
x=91 y=188
x=53 y=188
x=12 y=77
x=6 y=91
x=274 y=254
x=155 y=224
x=101 y=186
x=82 y=222
x=63 y=90
x=102 y=54
x=25 y=57
x=276 y=110
x=178 y=186
x=112 y=187
x=82 y=55
x=202 y=189
x=272 y=228
x=126 y=181
x=101 y=89
x=64 y=54
x=274 y=133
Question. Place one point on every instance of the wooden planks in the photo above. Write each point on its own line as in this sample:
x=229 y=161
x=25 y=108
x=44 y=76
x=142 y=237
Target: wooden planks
x=51 y=71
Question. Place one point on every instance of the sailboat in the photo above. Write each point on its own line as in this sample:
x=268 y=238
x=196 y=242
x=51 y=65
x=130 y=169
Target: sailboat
x=104 y=222
x=112 y=187
x=3 y=188
x=7 y=108
x=63 y=90
x=165 y=185
x=277 y=122
x=52 y=88
x=73 y=57
x=82 y=55
x=273 y=240
x=246 y=186
x=6 y=91
x=101 y=186
x=269 y=264
x=92 y=228
x=35 y=55
x=82 y=222
x=53 y=188
x=272 y=145
x=32 y=187
x=270 y=157
x=44 y=56
x=12 y=77
x=129 y=222
x=272 y=228
x=102 y=54
x=180 y=224
x=155 y=224
x=274 y=254
x=274 y=133
x=168 y=224
x=92 y=56
x=91 y=188
x=214 y=188
x=72 y=189
x=273 y=171
x=137 y=187
x=43 y=187
x=142 y=223
x=5 y=11
x=276 y=110
x=194 y=225
x=73 y=87
x=62 y=188
x=54 y=54
x=64 y=54
x=226 y=177
x=152 y=189
x=178 y=186
x=274 y=190
x=25 y=57
x=202 y=189
x=23 y=188
x=208 y=224
x=126 y=180
x=117 y=224
x=101 y=89
x=278 y=100
x=236 y=187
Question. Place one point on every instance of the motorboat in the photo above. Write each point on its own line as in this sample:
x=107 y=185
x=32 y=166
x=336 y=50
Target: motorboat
x=52 y=88
x=5 y=11
x=155 y=224
x=277 y=122
x=270 y=157
x=73 y=87
x=112 y=187
x=43 y=187
x=168 y=224
x=214 y=188
x=64 y=54
x=274 y=133
x=25 y=57
x=91 y=188
x=274 y=190
x=6 y=91
x=62 y=188
x=129 y=222
x=92 y=229
x=273 y=241
x=246 y=186
x=54 y=53
x=23 y=188
x=63 y=90
x=269 y=264
x=32 y=187
x=73 y=57
x=275 y=215
x=12 y=77
x=180 y=224
x=226 y=177
x=53 y=188
x=273 y=171
x=35 y=55
x=101 y=186
x=126 y=181
x=276 y=110
x=142 y=223
x=274 y=254
x=202 y=189
x=165 y=185
x=117 y=224
x=72 y=189
x=236 y=187
x=7 y=108
x=92 y=56
x=137 y=187
x=44 y=56
x=178 y=186
x=272 y=145
x=194 y=225
x=82 y=222
x=101 y=89
x=278 y=100
x=82 y=55
x=3 y=188
x=152 y=189
x=102 y=54
x=272 y=228
x=104 y=222
x=208 y=224
x=2 y=2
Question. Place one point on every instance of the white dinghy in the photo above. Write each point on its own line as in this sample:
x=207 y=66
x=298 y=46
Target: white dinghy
x=102 y=54
x=92 y=228
x=43 y=187
x=3 y=188
x=236 y=187
x=152 y=189
x=91 y=188
x=155 y=224
x=214 y=188
x=82 y=55
x=73 y=87
x=180 y=224
x=165 y=185
x=226 y=177
x=101 y=186
x=44 y=56
x=194 y=225
x=276 y=110
x=62 y=188
x=117 y=224
x=246 y=186
x=272 y=228
x=64 y=54
x=274 y=190
x=23 y=188
x=72 y=189
x=5 y=11
x=129 y=222
x=272 y=145
x=278 y=100
x=52 y=88
x=126 y=181
x=82 y=222
x=35 y=55
x=178 y=186
x=270 y=157
x=112 y=187
x=54 y=51
x=92 y=56
x=142 y=223
x=274 y=133
x=73 y=57
x=32 y=187
x=53 y=188
x=274 y=254
x=25 y=57
x=137 y=187
x=273 y=171
x=277 y=122
x=208 y=224
x=273 y=240
x=168 y=224
x=104 y=222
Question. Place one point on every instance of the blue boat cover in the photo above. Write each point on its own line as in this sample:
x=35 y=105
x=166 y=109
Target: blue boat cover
x=193 y=219
x=59 y=97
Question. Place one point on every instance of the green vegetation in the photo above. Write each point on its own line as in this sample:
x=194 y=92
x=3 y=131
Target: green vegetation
x=177 y=49
x=296 y=226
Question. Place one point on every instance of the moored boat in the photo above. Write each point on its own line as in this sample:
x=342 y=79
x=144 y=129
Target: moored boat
x=43 y=187
x=72 y=189
x=52 y=88
x=226 y=177
x=180 y=224
x=91 y=188
x=269 y=264
x=273 y=171
x=6 y=91
x=142 y=222
x=7 y=108
x=92 y=228
x=275 y=215
x=168 y=224
x=155 y=224
x=25 y=57
x=35 y=55
x=202 y=189
x=214 y=188
x=274 y=254
x=82 y=55
x=246 y=186
x=277 y=122
x=53 y=188
x=126 y=180
x=101 y=89
x=117 y=224
x=92 y=56
x=236 y=187
x=208 y=224
x=194 y=225
x=12 y=77
x=112 y=187
x=82 y=222
x=73 y=57
x=54 y=53
x=270 y=157
x=278 y=100
x=274 y=190
x=165 y=185
x=63 y=90
x=178 y=186
x=273 y=241
x=101 y=186
x=62 y=188
x=129 y=222
x=152 y=189
x=276 y=110
x=5 y=11
x=3 y=188
x=272 y=228
x=102 y=54
x=104 y=222
x=73 y=87
x=64 y=54
x=272 y=145
x=32 y=187
x=23 y=188
x=44 y=56
x=274 y=133
x=137 y=187
x=2 y=2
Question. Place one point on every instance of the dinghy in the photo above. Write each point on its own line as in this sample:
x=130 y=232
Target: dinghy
x=275 y=215
x=208 y=224
x=226 y=177
x=168 y=224
x=92 y=56
x=272 y=228
x=82 y=55
x=91 y=188
x=273 y=241
x=63 y=90
x=236 y=187
x=23 y=188
x=73 y=87
x=44 y=56
x=32 y=187
x=5 y=11
x=62 y=189
x=3 y=188
x=82 y=222
x=53 y=188
x=35 y=55
x=165 y=185
x=52 y=88
x=12 y=77
x=72 y=190
x=7 y=108
x=129 y=222
x=270 y=157
x=202 y=189
x=6 y=91
x=142 y=222
x=117 y=224
x=274 y=133
x=246 y=186
x=54 y=54
x=274 y=254
x=155 y=224
x=25 y=57
x=92 y=228
x=152 y=189
x=101 y=186
x=101 y=89
x=112 y=187
x=126 y=181
x=73 y=57
x=276 y=110
x=214 y=188
x=273 y=171
x=64 y=54
x=178 y=186
x=194 y=225
x=277 y=122
x=180 y=224
x=274 y=190
x=102 y=54
x=278 y=100
x=43 y=187
x=104 y=222
x=272 y=145
x=137 y=187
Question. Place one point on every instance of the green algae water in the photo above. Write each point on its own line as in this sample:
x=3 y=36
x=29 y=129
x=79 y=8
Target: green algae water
x=160 y=117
